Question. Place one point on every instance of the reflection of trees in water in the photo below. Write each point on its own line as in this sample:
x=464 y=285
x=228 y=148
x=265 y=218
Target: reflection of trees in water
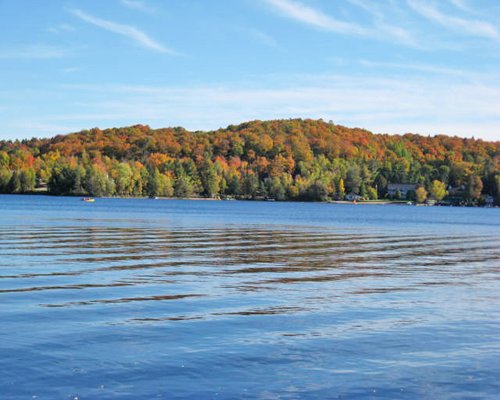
x=110 y=265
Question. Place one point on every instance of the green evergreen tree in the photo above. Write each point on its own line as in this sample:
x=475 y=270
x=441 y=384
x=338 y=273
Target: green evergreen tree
x=184 y=187
x=209 y=179
x=250 y=185
x=353 y=179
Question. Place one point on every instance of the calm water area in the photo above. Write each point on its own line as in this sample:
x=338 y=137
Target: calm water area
x=172 y=299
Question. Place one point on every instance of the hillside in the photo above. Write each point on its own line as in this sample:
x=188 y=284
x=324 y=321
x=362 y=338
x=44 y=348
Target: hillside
x=281 y=159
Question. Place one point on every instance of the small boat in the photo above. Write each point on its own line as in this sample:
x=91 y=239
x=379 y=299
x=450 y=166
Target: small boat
x=88 y=199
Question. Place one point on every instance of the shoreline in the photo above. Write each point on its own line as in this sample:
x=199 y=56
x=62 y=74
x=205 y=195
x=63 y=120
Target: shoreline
x=337 y=202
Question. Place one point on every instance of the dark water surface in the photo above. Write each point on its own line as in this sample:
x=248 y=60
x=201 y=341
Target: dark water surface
x=144 y=299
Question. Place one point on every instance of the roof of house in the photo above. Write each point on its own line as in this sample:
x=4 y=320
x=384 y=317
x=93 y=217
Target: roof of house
x=404 y=186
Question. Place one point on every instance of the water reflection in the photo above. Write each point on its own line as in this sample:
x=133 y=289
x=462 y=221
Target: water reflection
x=224 y=261
x=233 y=304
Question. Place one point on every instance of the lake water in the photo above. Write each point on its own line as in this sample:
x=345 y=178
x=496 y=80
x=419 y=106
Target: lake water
x=143 y=299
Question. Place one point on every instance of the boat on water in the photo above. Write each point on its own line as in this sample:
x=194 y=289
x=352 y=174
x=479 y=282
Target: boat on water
x=88 y=199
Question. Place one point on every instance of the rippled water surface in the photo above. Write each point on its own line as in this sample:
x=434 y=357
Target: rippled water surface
x=144 y=299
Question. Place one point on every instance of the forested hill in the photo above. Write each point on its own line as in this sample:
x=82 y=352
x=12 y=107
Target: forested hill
x=281 y=159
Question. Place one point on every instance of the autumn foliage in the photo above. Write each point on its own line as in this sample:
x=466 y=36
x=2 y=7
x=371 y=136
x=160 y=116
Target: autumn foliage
x=281 y=159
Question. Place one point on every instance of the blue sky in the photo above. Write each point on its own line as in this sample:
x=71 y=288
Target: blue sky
x=394 y=66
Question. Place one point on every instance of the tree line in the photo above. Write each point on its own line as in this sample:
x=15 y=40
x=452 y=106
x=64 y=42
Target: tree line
x=293 y=159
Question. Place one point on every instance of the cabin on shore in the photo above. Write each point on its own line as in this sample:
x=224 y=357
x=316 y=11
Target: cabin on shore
x=402 y=188
x=41 y=185
x=489 y=201
x=353 y=197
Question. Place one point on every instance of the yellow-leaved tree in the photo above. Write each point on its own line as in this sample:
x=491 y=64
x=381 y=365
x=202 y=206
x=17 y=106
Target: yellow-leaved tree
x=438 y=190
x=421 y=194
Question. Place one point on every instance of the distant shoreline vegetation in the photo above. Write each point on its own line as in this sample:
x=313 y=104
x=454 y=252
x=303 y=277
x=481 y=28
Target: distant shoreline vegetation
x=306 y=160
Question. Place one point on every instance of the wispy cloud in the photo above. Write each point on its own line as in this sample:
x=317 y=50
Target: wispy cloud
x=414 y=67
x=469 y=26
x=379 y=28
x=379 y=16
x=313 y=17
x=460 y=4
x=427 y=104
x=137 y=5
x=32 y=52
x=128 y=31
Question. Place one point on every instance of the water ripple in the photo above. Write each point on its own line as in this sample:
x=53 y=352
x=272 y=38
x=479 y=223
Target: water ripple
x=132 y=307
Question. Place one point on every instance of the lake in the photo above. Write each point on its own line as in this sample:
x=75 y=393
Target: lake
x=146 y=299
